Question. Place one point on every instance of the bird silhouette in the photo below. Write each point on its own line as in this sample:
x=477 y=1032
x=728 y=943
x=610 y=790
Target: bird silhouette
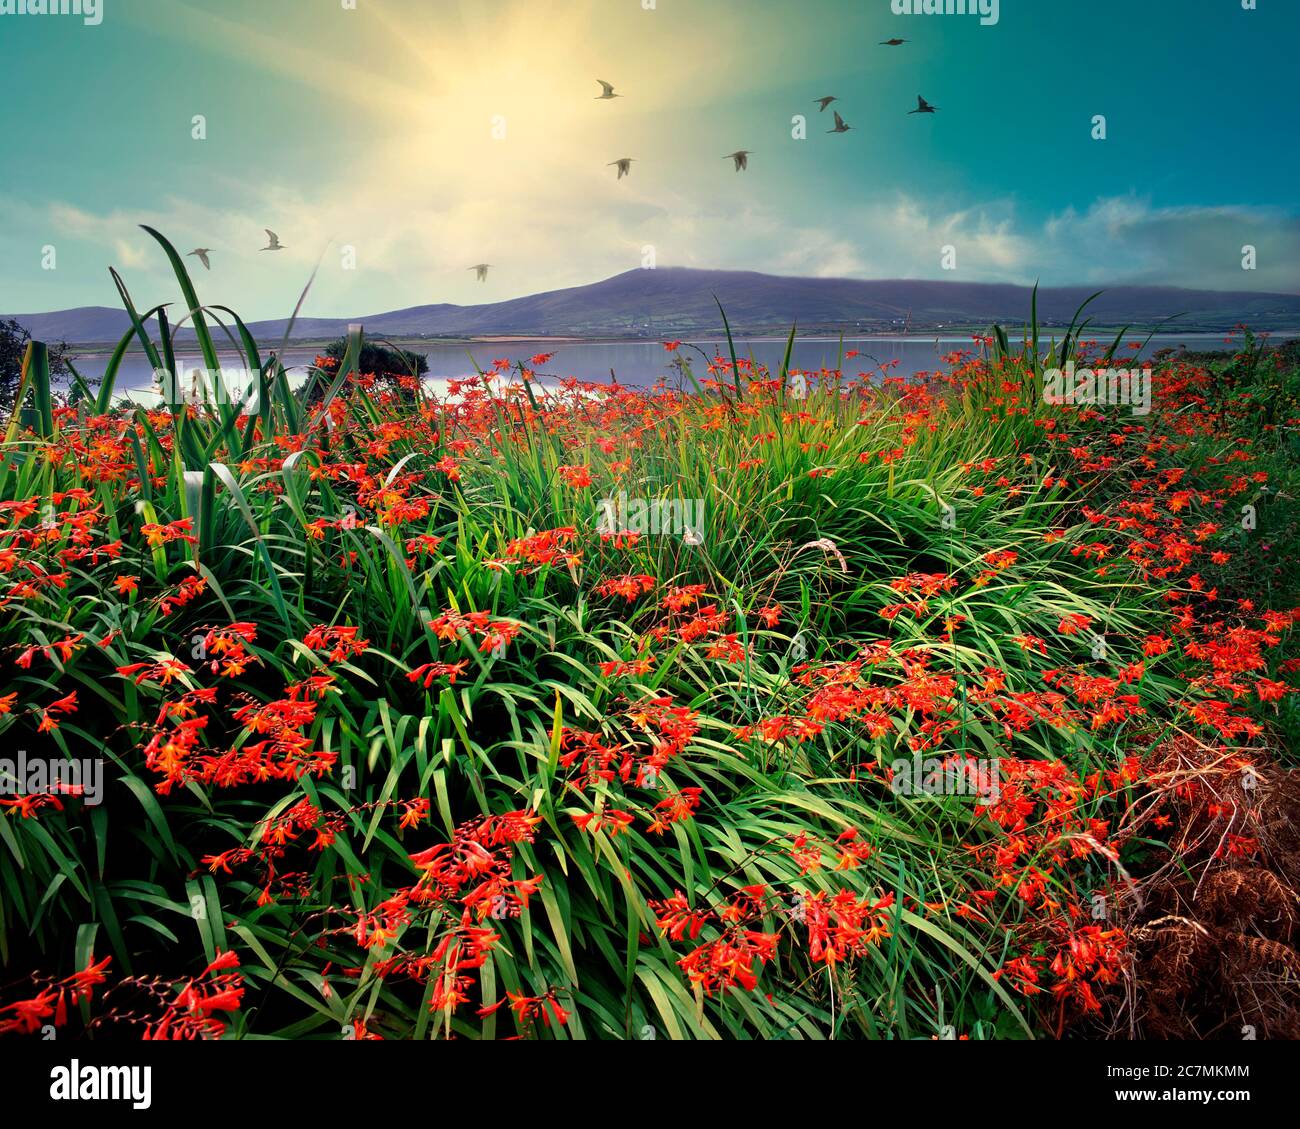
x=741 y=157
x=203 y=253
x=481 y=270
x=892 y=42
x=624 y=166
x=923 y=107
x=275 y=244
x=841 y=126
x=824 y=102
x=607 y=91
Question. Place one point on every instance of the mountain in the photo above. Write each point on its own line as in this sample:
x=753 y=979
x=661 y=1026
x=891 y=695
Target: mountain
x=87 y=323
x=678 y=301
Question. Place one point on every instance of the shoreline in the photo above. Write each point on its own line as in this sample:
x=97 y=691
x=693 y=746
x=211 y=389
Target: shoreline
x=955 y=336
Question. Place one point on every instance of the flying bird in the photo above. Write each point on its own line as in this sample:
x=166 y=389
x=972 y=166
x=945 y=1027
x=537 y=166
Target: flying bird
x=481 y=270
x=203 y=253
x=824 y=102
x=607 y=91
x=275 y=244
x=923 y=107
x=741 y=157
x=624 y=166
x=841 y=126
x=892 y=42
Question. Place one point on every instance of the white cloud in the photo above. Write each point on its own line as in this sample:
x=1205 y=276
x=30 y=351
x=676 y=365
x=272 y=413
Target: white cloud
x=415 y=240
x=1126 y=239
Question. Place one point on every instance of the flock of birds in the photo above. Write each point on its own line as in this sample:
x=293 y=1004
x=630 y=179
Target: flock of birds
x=741 y=156
x=624 y=164
x=274 y=244
x=203 y=252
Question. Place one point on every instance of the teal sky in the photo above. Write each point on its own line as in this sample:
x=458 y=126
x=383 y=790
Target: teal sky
x=373 y=130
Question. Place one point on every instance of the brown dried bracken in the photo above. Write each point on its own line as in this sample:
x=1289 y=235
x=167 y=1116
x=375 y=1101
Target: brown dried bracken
x=1214 y=935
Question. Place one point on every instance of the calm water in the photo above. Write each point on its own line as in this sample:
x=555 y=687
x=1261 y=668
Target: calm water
x=641 y=363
